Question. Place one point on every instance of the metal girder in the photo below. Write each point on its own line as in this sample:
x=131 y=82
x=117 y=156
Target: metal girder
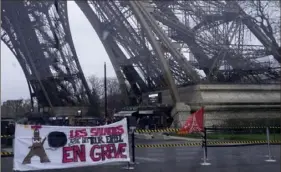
x=204 y=47
x=255 y=29
x=44 y=30
x=126 y=37
x=236 y=57
x=23 y=39
x=114 y=52
x=168 y=76
x=185 y=34
x=130 y=40
x=167 y=42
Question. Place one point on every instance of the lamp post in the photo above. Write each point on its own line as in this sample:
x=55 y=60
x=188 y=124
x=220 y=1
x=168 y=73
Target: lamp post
x=105 y=92
x=280 y=22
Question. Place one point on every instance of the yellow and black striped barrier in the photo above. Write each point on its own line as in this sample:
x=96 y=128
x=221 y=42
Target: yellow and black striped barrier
x=211 y=144
x=6 y=136
x=166 y=145
x=7 y=154
x=257 y=127
x=166 y=130
x=175 y=130
x=242 y=142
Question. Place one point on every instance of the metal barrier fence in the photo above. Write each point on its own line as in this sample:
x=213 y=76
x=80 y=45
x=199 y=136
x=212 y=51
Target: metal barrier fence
x=204 y=143
x=210 y=144
x=175 y=130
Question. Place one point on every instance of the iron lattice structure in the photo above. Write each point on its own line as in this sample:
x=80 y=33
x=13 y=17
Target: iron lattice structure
x=202 y=42
x=38 y=34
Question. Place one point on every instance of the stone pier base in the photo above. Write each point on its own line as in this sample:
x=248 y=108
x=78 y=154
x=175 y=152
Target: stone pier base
x=228 y=101
x=70 y=111
x=180 y=113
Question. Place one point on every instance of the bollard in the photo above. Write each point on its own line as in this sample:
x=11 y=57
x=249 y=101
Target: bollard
x=268 y=147
x=204 y=145
x=128 y=167
x=205 y=163
x=133 y=148
x=205 y=140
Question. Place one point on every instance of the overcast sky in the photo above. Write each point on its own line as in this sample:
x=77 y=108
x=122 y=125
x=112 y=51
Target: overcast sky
x=90 y=51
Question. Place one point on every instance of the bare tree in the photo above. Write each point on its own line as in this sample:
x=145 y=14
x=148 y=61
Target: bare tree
x=96 y=84
x=26 y=105
x=114 y=96
x=96 y=87
x=113 y=86
x=266 y=14
x=15 y=108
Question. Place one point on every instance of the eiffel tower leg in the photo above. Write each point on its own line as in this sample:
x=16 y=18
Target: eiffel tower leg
x=180 y=113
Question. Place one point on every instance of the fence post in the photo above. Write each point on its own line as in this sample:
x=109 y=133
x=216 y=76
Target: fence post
x=133 y=147
x=204 y=144
x=205 y=139
x=268 y=147
x=129 y=167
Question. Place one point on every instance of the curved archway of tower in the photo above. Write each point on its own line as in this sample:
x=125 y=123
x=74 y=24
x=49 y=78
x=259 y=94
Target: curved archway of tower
x=90 y=52
x=89 y=48
x=13 y=81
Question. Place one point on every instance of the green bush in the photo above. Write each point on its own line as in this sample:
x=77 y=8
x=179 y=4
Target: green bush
x=273 y=122
x=261 y=122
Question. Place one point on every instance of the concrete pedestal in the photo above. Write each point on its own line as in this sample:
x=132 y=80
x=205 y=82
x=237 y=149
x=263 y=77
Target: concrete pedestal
x=180 y=113
x=227 y=101
x=70 y=111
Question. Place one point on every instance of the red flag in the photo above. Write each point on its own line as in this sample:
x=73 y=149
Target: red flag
x=194 y=123
x=36 y=127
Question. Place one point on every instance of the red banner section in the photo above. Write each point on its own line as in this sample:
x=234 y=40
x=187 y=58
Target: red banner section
x=194 y=123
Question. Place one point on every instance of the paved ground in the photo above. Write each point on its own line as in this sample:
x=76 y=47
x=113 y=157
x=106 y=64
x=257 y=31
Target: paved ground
x=158 y=141
x=183 y=159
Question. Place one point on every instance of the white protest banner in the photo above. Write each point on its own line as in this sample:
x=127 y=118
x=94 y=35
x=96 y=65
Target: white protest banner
x=58 y=147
